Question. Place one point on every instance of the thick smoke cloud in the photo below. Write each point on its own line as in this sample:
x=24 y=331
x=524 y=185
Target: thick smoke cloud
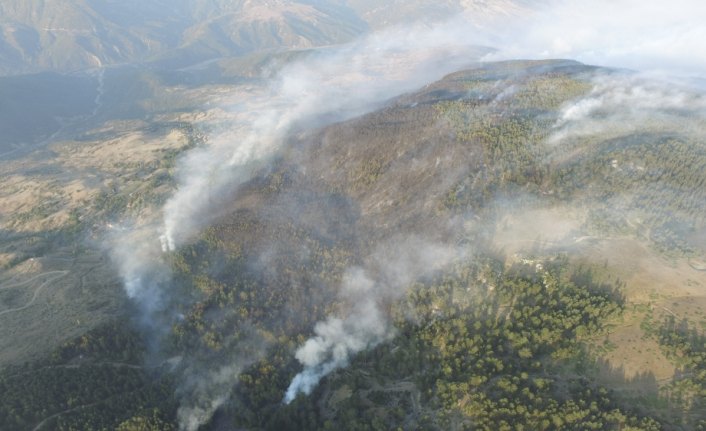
x=326 y=86
x=329 y=85
x=341 y=82
x=636 y=34
x=620 y=103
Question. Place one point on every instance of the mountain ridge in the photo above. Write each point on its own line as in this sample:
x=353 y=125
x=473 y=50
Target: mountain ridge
x=54 y=35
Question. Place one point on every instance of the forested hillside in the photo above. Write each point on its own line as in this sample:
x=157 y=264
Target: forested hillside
x=514 y=328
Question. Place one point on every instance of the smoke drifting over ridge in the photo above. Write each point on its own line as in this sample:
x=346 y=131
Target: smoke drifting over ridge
x=341 y=82
x=353 y=79
x=643 y=35
x=622 y=103
x=329 y=85
x=338 y=83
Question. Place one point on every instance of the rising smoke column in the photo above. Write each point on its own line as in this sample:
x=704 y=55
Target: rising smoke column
x=145 y=276
x=623 y=103
x=389 y=272
x=328 y=85
x=338 y=339
x=638 y=34
x=342 y=82
x=559 y=29
x=353 y=79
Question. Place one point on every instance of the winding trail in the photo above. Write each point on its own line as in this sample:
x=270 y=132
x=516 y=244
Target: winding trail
x=29 y=280
x=38 y=290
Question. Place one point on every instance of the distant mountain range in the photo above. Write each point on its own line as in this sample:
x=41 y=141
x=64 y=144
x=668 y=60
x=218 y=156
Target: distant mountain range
x=57 y=35
x=65 y=36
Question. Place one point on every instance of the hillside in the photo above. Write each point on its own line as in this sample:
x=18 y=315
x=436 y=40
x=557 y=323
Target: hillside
x=60 y=36
x=509 y=246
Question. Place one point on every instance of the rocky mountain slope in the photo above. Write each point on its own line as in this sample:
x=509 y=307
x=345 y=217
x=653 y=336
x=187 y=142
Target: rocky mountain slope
x=69 y=36
x=60 y=36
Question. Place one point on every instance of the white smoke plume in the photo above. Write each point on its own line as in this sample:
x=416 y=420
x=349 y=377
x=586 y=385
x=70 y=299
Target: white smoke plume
x=328 y=85
x=143 y=272
x=620 y=34
x=636 y=34
x=340 y=82
x=392 y=268
x=337 y=339
x=344 y=81
x=207 y=393
x=619 y=103
x=337 y=83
